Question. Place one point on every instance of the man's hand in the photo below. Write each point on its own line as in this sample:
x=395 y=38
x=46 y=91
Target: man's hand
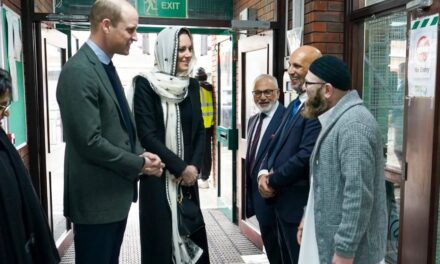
x=299 y=233
x=189 y=175
x=340 y=260
x=153 y=165
x=265 y=190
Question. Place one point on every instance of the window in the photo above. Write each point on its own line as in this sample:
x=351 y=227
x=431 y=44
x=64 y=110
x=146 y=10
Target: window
x=384 y=80
x=383 y=90
x=364 y=3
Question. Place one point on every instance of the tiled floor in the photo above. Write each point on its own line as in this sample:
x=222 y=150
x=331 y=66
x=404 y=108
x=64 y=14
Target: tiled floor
x=226 y=243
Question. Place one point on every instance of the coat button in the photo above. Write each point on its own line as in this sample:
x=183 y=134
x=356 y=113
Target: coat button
x=317 y=162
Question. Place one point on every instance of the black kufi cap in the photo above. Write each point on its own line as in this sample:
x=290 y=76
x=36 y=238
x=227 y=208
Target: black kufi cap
x=332 y=70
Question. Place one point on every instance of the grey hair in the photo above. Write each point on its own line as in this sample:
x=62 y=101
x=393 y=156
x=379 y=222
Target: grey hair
x=266 y=76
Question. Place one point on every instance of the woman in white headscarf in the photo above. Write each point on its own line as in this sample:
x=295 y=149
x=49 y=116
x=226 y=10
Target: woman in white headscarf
x=168 y=116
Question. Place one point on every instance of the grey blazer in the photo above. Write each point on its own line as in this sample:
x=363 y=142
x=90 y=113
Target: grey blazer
x=348 y=182
x=100 y=171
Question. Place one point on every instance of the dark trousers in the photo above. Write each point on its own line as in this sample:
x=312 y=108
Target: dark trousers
x=269 y=234
x=99 y=243
x=289 y=247
x=207 y=157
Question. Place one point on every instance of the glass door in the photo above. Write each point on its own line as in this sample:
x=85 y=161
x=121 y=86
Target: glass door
x=226 y=129
x=54 y=48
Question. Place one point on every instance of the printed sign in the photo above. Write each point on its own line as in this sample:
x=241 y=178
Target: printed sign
x=162 y=8
x=423 y=57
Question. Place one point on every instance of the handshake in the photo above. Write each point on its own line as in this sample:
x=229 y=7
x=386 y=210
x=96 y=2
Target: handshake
x=153 y=165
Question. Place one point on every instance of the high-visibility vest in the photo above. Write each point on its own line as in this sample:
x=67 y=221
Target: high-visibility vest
x=207 y=107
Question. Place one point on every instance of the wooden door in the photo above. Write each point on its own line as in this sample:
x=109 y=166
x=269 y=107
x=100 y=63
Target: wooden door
x=255 y=57
x=420 y=196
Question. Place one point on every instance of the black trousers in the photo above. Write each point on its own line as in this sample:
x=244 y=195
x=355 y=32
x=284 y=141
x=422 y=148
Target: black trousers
x=289 y=246
x=269 y=234
x=99 y=243
x=207 y=157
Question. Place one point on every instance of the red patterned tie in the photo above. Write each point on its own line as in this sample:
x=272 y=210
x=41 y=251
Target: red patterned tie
x=255 y=140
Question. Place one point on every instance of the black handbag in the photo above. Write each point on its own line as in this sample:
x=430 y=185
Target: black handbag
x=188 y=212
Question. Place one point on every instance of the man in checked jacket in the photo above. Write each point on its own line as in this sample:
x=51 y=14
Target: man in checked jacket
x=346 y=216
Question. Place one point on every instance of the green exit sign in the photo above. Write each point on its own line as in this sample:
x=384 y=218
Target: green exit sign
x=162 y=8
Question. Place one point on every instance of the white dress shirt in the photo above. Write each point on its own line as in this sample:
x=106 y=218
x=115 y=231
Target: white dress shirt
x=308 y=253
x=264 y=126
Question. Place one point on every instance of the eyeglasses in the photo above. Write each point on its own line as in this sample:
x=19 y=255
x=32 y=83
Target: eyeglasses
x=266 y=93
x=306 y=83
x=4 y=108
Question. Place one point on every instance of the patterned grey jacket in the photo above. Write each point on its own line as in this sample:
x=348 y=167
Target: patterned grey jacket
x=349 y=187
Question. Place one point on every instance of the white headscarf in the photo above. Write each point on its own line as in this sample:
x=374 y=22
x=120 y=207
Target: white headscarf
x=164 y=79
x=172 y=88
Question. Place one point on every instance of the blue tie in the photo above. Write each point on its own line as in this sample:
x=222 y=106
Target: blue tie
x=281 y=134
x=296 y=104
x=295 y=107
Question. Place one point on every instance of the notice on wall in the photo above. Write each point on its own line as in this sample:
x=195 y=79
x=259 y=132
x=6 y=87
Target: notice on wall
x=14 y=45
x=294 y=38
x=422 y=56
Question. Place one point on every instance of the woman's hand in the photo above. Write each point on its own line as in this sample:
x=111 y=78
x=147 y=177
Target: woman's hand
x=189 y=175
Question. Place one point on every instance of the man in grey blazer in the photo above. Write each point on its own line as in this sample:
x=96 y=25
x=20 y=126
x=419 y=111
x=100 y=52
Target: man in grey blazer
x=103 y=159
x=346 y=215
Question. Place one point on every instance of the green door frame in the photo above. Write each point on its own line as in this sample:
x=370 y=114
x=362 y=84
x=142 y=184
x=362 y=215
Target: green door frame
x=228 y=135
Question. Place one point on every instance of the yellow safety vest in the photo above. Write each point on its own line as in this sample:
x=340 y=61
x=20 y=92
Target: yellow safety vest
x=207 y=107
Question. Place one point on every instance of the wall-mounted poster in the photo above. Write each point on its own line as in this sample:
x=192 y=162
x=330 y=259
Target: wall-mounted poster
x=12 y=61
x=14 y=48
x=294 y=38
x=422 y=61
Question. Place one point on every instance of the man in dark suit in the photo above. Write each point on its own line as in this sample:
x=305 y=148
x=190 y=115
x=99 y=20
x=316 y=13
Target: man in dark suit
x=103 y=158
x=261 y=128
x=284 y=172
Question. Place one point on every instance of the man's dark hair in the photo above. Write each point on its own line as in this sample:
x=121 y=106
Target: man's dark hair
x=201 y=74
x=5 y=82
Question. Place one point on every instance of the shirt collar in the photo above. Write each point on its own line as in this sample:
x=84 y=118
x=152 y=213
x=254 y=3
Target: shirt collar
x=323 y=118
x=99 y=52
x=303 y=97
